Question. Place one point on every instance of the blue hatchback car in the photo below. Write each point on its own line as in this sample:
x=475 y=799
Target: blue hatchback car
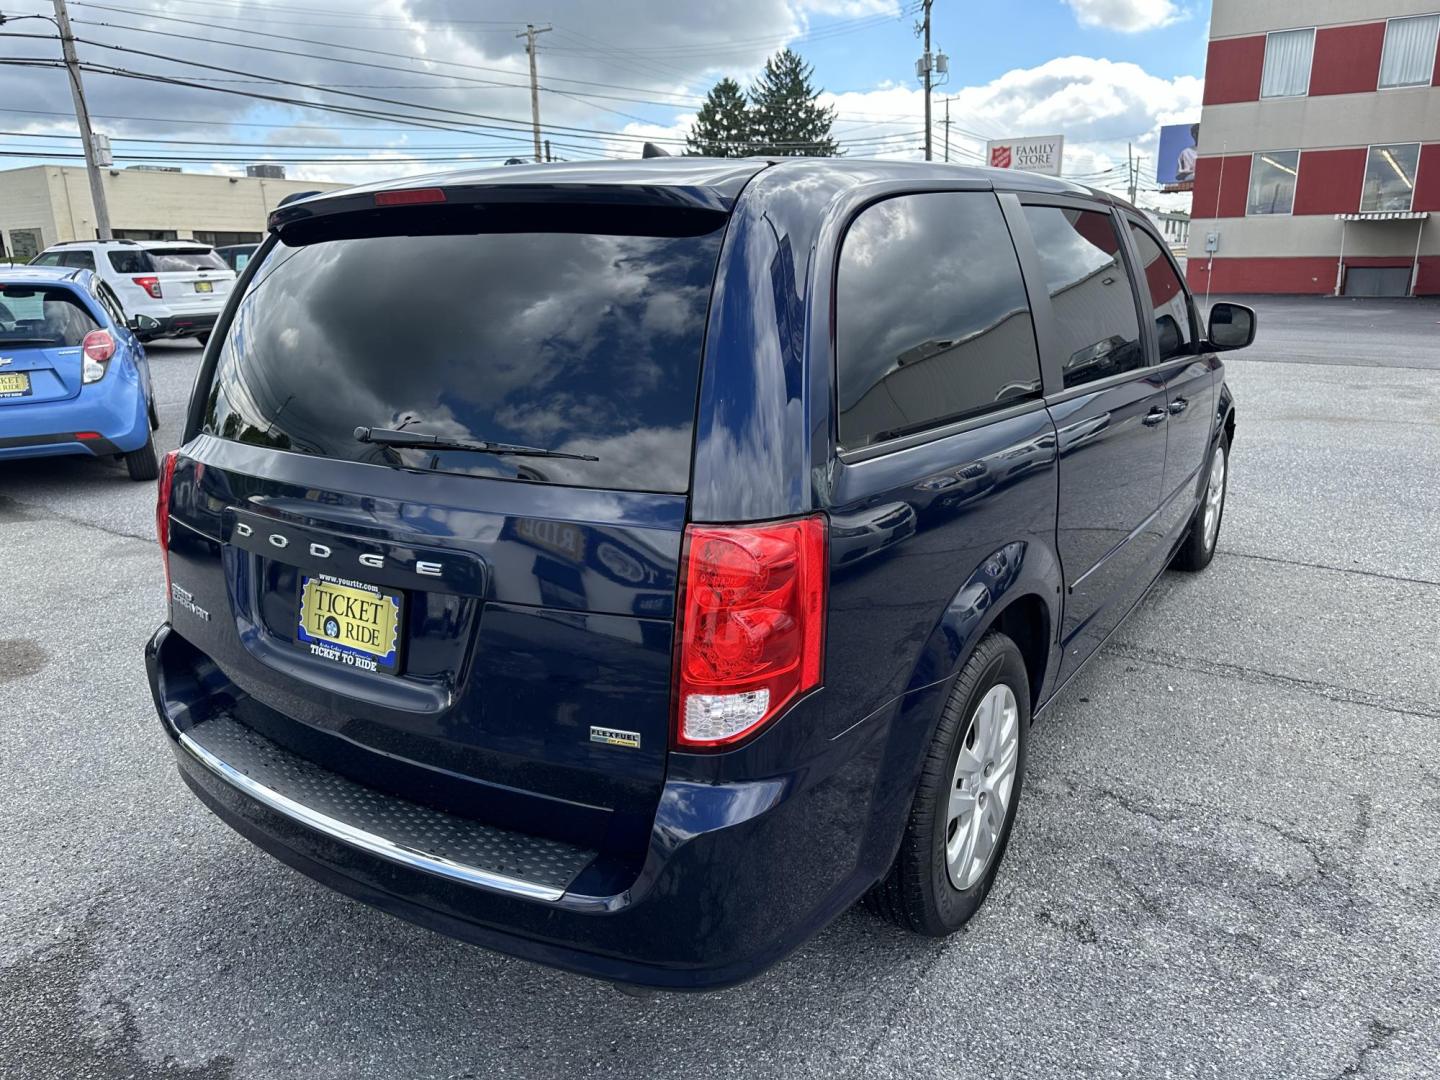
x=630 y=566
x=73 y=376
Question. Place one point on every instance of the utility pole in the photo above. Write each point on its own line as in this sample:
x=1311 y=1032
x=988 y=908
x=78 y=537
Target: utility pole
x=529 y=35
x=928 y=66
x=1130 y=168
x=947 y=130
x=82 y=118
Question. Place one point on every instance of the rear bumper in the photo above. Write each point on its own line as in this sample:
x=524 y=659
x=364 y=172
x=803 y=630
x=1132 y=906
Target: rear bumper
x=183 y=325
x=737 y=874
x=112 y=409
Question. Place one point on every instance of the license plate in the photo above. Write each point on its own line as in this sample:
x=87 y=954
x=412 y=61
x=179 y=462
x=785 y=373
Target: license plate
x=204 y=286
x=350 y=623
x=15 y=384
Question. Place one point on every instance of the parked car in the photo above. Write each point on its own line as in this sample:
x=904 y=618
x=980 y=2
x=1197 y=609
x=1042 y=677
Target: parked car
x=180 y=284
x=507 y=596
x=236 y=255
x=73 y=374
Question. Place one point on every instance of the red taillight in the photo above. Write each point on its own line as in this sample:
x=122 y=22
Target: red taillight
x=98 y=346
x=752 y=622
x=410 y=196
x=162 y=512
x=150 y=284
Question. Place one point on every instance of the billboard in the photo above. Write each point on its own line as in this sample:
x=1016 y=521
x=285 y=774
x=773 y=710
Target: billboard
x=1041 y=154
x=1175 y=161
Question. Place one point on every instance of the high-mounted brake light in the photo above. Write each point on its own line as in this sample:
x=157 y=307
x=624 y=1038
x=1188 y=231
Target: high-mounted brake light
x=98 y=347
x=752 y=625
x=162 y=512
x=150 y=284
x=410 y=196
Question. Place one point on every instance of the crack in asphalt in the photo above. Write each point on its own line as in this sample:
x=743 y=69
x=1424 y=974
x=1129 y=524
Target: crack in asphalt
x=1159 y=658
x=1380 y=1037
x=12 y=509
x=1229 y=553
x=56 y=1028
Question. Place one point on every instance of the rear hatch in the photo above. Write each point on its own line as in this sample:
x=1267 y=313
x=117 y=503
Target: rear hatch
x=41 y=331
x=485 y=632
x=191 y=277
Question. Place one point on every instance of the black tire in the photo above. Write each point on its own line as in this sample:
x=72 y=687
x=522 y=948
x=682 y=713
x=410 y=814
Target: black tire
x=918 y=893
x=1197 y=549
x=153 y=415
x=142 y=463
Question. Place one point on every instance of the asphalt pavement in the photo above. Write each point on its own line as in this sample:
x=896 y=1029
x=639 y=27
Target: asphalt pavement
x=1227 y=860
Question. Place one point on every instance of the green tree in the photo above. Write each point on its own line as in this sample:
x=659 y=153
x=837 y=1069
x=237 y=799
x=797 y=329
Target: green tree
x=722 y=126
x=785 y=118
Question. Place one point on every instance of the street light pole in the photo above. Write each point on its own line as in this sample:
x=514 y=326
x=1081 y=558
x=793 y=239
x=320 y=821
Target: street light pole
x=529 y=35
x=82 y=118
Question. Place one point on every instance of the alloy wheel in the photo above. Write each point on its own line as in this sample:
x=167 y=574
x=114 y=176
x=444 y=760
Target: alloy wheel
x=1214 y=498
x=982 y=788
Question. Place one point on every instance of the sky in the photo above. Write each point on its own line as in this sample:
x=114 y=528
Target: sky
x=414 y=86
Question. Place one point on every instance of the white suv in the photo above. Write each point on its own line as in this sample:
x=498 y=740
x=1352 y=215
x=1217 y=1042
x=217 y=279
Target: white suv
x=181 y=284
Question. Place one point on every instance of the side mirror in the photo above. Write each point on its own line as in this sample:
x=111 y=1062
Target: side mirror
x=142 y=323
x=1232 y=326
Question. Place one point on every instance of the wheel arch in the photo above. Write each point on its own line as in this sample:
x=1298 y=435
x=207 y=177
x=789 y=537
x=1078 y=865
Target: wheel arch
x=1016 y=589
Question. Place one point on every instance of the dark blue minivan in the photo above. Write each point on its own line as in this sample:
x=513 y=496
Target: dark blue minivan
x=630 y=566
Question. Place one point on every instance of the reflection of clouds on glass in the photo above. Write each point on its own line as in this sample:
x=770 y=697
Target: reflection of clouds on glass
x=544 y=338
x=1066 y=255
x=657 y=458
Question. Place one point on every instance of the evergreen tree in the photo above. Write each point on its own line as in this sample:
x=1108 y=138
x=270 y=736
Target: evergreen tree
x=785 y=119
x=722 y=126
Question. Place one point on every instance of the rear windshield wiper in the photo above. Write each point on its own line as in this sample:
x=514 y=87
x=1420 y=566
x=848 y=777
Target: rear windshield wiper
x=417 y=441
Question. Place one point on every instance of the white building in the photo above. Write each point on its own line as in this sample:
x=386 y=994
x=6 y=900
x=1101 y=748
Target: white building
x=45 y=204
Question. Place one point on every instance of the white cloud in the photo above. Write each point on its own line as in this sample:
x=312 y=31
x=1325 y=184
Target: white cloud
x=1127 y=16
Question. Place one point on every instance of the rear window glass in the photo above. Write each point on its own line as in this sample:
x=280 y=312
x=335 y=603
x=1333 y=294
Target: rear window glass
x=42 y=317
x=131 y=262
x=576 y=342
x=187 y=259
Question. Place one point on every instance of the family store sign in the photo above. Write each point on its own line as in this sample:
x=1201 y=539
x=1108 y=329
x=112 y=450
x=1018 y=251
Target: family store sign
x=1041 y=155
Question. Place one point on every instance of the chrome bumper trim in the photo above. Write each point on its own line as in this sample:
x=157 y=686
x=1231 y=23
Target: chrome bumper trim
x=366 y=841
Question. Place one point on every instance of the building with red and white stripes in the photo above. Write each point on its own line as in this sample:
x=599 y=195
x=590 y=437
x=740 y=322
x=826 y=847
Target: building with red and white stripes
x=1319 y=149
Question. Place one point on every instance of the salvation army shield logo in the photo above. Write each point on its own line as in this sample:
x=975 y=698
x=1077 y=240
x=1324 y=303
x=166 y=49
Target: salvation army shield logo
x=1000 y=157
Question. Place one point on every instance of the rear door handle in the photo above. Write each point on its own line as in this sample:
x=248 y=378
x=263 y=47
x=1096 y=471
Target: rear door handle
x=1178 y=406
x=1154 y=416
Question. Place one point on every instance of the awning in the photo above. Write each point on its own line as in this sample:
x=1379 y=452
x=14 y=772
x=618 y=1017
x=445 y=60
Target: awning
x=1386 y=215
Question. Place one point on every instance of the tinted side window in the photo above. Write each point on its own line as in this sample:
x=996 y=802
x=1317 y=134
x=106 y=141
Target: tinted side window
x=932 y=321
x=132 y=262
x=50 y=258
x=82 y=260
x=111 y=304
x=1168 y=300
x=1094 y=304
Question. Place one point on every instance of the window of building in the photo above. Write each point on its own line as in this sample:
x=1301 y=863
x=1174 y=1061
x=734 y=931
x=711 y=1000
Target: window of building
x=145 y=234
x=1090 y=289
x=25 y=244
x=1168 y=300
x=1272 y=182
x=225 y=239
x=1409 y=56
x=1390 y=178
x=1287 y=63
x=933 y=324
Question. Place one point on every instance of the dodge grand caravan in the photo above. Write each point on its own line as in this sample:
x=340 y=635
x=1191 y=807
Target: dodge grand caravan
x=631 y=566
